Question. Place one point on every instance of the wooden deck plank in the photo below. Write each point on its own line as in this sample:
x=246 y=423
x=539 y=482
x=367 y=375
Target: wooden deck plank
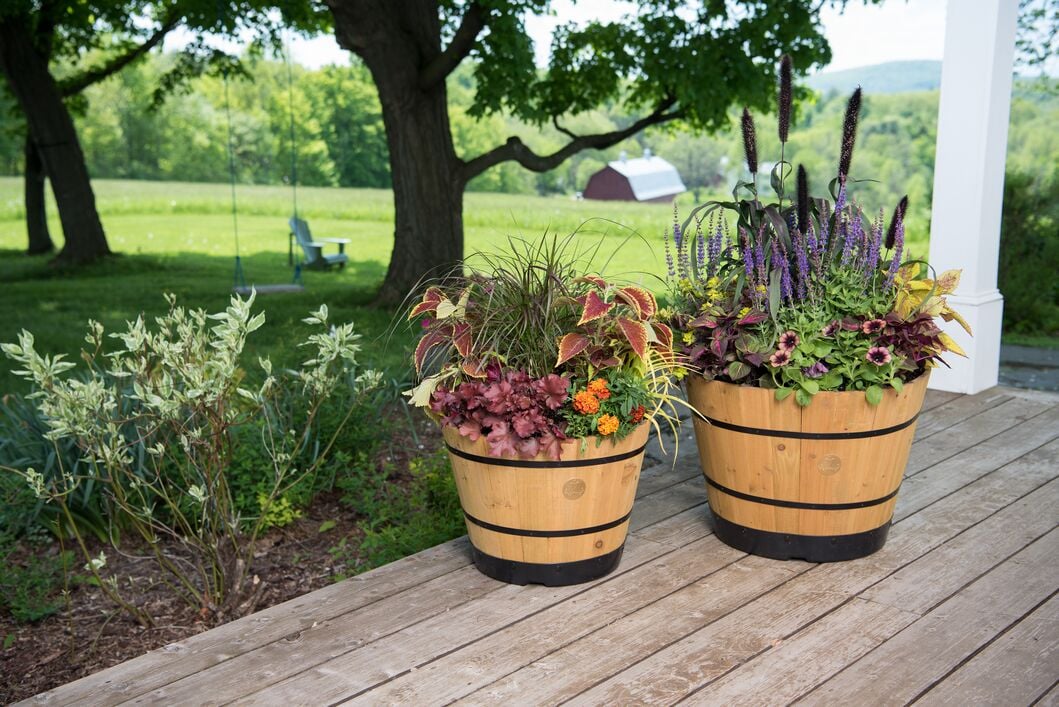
x=391 y=662
x=976 y=461
x=457 y=673
x=989 y=424
x=275 y=662
x=577 y=666
x=936 y=398
x=808 y=658
x=914 y=660
x=955 y=410
x=1016 y=669
x=1050 y=698
x=670 y=673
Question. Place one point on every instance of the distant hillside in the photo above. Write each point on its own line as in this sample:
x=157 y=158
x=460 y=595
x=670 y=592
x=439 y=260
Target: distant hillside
x=891 y=77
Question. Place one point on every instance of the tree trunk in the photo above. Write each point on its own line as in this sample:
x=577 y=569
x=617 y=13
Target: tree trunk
x=396 y=39
x=36 y=214
x=52 y=130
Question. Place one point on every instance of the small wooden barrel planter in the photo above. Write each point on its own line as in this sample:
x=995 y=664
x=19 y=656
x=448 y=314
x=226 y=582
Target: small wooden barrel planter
x=816 y=483
x=543 y=521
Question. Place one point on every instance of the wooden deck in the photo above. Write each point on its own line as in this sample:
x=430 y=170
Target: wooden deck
x=959 y=608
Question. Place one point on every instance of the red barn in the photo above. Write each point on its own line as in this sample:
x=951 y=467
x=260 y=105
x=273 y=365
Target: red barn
x=646 y=178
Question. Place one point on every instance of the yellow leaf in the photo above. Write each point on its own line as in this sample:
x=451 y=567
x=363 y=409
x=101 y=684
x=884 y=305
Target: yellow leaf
x=445 y=309
x=948 y=281
x=951 y=345
x=949 y=314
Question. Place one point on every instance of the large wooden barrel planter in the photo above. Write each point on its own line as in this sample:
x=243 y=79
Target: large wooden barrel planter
x=543 y=521
x=817 y=483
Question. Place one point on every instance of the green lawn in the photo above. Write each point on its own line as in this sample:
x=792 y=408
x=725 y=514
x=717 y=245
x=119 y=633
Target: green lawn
x=178 y=237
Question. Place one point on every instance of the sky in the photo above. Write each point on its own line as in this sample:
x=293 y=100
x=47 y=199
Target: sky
x=861 y=36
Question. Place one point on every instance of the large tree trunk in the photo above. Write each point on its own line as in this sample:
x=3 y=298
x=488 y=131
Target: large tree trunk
x=396 y=39
x=52 y=129
x=36 y=214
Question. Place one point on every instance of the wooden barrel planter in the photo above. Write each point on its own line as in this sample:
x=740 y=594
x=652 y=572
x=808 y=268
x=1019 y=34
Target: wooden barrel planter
x=543 y=521
x=817 y=483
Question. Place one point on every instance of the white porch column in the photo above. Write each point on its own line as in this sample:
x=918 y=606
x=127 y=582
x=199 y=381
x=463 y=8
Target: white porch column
x=969 y=180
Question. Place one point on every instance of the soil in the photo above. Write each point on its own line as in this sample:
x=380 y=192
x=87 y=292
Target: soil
x=92 y=634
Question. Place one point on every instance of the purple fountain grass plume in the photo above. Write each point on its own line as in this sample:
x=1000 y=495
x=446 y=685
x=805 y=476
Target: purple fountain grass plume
x=898 y=245
x=785 y=97
x=849 y=135
x=749 y=141
x=899 y=215
x=803 y=199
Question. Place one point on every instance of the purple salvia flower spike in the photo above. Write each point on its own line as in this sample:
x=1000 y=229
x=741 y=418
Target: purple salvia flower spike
x=669 y=255
x=748 y=260
x=899 y=245
x=700 y=242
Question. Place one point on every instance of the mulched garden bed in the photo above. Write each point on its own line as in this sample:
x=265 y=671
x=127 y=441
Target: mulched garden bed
x=91 y=634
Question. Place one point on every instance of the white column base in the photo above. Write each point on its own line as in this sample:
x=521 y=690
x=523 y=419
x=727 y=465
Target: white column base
x=980 y=370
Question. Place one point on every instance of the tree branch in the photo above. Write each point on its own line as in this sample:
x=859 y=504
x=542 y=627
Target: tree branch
x=79 y=82
x=515 y=149
x=560 y=128
x=462 y=42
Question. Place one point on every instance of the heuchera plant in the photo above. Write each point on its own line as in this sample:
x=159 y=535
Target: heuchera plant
x=807 y=296
x=529 y=353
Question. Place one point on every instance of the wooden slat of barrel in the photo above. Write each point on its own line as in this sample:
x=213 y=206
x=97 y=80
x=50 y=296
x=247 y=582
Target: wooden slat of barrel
x=547 y=500
x=757 y=447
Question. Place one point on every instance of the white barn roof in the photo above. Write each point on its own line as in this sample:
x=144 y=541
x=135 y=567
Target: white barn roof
x=649 y=176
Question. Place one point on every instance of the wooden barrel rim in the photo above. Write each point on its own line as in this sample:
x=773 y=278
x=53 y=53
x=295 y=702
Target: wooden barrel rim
x=790 y=434
x=802 y=505
x=536 y=464
x=565 y=533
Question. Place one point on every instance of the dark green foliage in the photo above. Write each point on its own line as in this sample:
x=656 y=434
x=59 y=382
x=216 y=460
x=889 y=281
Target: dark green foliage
x=400 y=517
x=30 y=587
x=1029 y=255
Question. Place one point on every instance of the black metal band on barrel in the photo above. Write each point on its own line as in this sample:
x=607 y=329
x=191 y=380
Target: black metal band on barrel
x=853 y=505
x=573 y=532
x=534 y=464
x=807 y=435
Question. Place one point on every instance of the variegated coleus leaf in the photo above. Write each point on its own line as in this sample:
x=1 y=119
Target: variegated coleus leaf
x=641 y=300
x=664 y=335
x=431 y=298
x=569 y=346
x=462 y=338
x=594 y=308
x=594 y=279
x=636 y=334
x=431 y=339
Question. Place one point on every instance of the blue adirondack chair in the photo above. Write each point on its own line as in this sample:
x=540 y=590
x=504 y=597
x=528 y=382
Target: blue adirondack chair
x=315 y=258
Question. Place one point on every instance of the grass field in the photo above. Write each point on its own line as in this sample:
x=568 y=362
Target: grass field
x=178 y=237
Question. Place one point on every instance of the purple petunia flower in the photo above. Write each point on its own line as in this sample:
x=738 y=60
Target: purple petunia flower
x=879 y=355
x=872 y=326
x=830 y=329
x=780 y=358
x=788 y=341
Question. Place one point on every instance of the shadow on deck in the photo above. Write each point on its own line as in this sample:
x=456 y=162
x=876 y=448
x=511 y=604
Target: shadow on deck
x=959 y=607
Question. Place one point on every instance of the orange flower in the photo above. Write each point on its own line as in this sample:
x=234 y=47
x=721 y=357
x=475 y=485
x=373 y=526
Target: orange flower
x=607 y=424
x=586 y=403
x=599 y=388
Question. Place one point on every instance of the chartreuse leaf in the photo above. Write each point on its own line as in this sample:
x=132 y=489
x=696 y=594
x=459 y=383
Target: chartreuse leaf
x=783 y=393
x=897 y=384
x=803 y=397
x=873 y=394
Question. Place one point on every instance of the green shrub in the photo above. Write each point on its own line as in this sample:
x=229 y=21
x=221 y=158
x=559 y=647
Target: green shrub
x=155 y=420
x=1029 y=255
x=400 y=519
